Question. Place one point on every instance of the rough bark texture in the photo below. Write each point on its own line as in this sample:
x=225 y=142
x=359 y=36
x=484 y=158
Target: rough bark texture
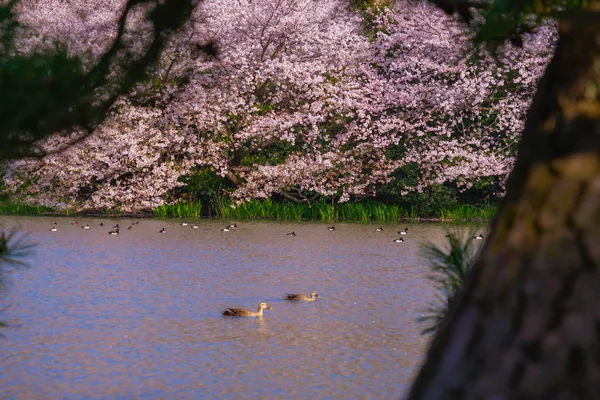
x=527 y=323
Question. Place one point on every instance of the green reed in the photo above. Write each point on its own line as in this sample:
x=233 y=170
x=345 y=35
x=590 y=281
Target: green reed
x=467 y=212
x=318 y=211
x=449 y=265
x=179 y=210
x=23 y=209
x=264 y=209
x=364 y=211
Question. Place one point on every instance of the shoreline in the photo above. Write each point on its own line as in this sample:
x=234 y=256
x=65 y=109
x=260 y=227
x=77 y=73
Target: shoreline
x=333 y=217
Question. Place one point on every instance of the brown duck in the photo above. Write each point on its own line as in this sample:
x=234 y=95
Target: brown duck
x=242 y=312
x=301 y=297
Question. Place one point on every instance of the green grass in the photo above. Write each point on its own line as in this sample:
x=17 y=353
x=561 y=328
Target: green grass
x=267 y=209
x=366 y=212
x=14 y=247
x=449 y=266
x=467 y=212
x=370 y=211
x=23 y=209
x=179 y=210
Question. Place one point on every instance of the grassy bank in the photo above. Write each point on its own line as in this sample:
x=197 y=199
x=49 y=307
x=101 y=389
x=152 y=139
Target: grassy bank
x=179 y=210
x=365 y=212
x=23 y=209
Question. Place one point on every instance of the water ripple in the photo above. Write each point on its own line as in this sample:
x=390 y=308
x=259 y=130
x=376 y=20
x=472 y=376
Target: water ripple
x=138 y=315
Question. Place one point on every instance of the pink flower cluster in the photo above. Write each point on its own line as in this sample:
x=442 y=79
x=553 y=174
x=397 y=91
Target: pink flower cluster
x=300 y=100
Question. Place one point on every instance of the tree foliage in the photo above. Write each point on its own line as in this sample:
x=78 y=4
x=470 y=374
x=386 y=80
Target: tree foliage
x=47 y=88
x=449 y=267
x=302 y=102
x=507 y=19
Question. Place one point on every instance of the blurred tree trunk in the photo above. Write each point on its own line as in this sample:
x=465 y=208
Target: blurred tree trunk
x=527 y=322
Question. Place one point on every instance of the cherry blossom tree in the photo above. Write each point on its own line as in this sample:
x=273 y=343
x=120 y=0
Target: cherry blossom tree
x=290 y=75
x=466 y=109
x=301 y=102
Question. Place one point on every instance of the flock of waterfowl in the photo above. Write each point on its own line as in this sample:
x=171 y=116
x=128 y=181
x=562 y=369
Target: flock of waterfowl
x=380 y=229
x=116 y=229
x=230 y=312
x=242 y=312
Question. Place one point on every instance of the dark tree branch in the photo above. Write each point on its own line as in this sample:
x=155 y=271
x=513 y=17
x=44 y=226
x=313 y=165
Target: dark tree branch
x=66 y=97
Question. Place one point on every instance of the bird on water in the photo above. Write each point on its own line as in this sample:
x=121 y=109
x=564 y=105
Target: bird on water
x=242 y=312
x=301 y=297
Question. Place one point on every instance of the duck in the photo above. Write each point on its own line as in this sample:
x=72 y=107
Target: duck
x=163 y=230
x=398 y=240
x=114 y=232
x=195 y=227
x=86 y=226
x=404 y=232
x=331 y=228
x=301 y=297
x=292 y=234
x=116 y=226
x=101 y=224
x=184 y=224
x=130 y=227
x=478 y=237
x=226 y=229
x=233 y=226
x=380 y=229
x=53 y=229
x=242 y=312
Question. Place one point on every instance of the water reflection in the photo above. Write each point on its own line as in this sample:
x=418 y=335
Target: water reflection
x=138 y=315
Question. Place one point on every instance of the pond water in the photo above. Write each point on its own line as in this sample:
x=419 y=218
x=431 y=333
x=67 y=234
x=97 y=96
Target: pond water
x=138 y=315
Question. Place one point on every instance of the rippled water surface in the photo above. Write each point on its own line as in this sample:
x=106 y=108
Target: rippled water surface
x=138 y=315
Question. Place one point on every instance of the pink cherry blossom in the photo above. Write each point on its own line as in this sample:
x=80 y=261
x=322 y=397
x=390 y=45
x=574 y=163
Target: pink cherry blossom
x=301 y=83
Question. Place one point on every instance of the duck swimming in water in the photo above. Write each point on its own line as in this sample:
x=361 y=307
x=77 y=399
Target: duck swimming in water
x=404 y=232
x=242 y=312
x=301 y=297
x=478 y=237
x=380 y=229
x=163 y=230
x=114 y=232
x=331 y=228
x=398 y=240
x=292 y=234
